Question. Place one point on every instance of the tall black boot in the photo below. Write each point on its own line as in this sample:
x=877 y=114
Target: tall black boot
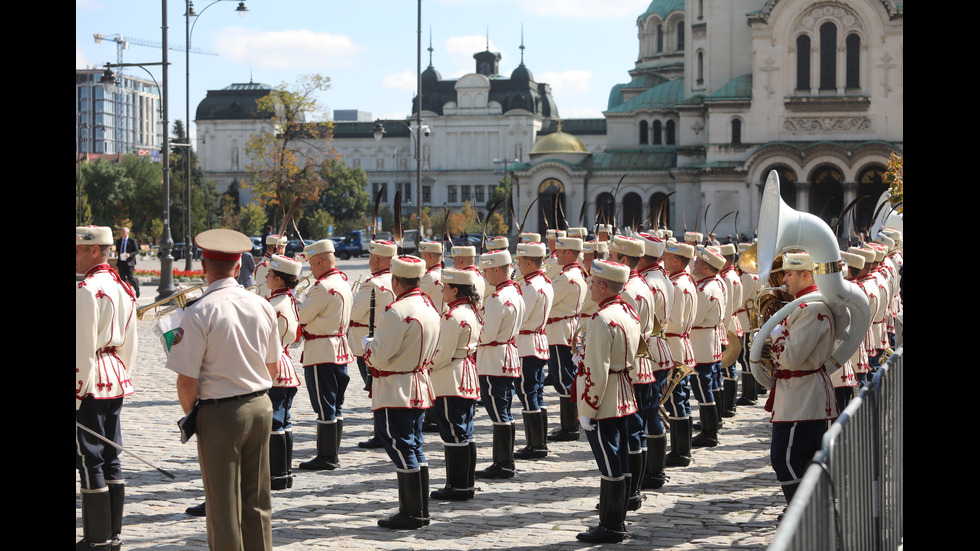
x=637 y=464
x=410 y=506
x=471 y=474
x=117 y=497
x=708 y=437
x=457 y=474
x=536 y=447
x=371 y=443
x=719 y=408
x=612 y=514
x=569 y=430
x=96 y=523
x=680 y=443
x=326 y=448
x=424 y=492
x=289 y=458
x=789 y=490
x=277 y=461
x=655 y=476
x=729 y=389
x=503 y=453
x=750 y=390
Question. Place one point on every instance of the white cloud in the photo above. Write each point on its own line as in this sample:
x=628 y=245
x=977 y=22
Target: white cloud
x=566 y=83
x=295 y=49
x=586 y=9
x=405 y=80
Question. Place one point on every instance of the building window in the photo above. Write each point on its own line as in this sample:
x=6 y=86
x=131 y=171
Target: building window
x=465 y=193
x=406 y=189
x=656 y=133
x=479 y=196
x=383 y=188
x=680 y=36
x=700 y=68
x=737 y=132
x=828 y=56
x=644 y=133
x=852 y=61
x=803 y=62
x=426 y=194
x=669 y=133
x=380 y=164
x=660 y=38
x=451 y=193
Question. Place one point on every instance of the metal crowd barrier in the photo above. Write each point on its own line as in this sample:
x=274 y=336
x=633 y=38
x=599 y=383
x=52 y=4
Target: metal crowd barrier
x=851 y=496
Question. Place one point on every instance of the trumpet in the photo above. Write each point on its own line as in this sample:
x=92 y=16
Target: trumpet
x=180 y=298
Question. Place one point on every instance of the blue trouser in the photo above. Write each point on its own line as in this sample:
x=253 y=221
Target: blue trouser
x=95 y=460
x=793 y=446
x=655 y=425
x=680 y=400
x=636 y=423
x=702 y=383
x=561 y=370
x=327 y=384
x=497 y=394
x=454 y=415
x=608 y=443
x=531 y=388
x=282 y=403
x=400 y=430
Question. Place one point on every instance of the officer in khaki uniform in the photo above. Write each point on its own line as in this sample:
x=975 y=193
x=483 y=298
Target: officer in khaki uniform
x=399 y=357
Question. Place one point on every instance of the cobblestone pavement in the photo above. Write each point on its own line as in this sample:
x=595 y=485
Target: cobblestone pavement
x=728 y=499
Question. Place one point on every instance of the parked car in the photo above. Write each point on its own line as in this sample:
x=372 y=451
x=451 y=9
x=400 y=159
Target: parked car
x=357 y=242
x=296 y=246
x=179 y=251
x=258 y=249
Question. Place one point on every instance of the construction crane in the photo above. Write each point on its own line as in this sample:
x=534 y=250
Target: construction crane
x=122 y=43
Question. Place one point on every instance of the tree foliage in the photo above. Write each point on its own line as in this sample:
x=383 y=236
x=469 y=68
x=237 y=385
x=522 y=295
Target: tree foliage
x=894 y=177
x=124 y=193
x=285 y=159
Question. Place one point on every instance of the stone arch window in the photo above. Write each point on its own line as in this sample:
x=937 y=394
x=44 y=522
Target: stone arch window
x=669 y=133
x=828 y=56
x=644 y=133
x=632 y=210
x=827 y=193
x=871 y=184
x=852 y=61
x=605 y=207
x=736 y=131
x=803 y=62
x=657 y=128
x=660 y=39
x=664 y=210
x=680 y=36
x=551 y=198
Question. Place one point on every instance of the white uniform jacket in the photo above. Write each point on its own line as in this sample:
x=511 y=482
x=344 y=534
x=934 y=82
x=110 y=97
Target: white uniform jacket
x=538 y=297
x=639 y=295
x=569 y=289
x=360 y=316
x=734 y=300
x=803 y=390
x=431 y=284
x=681 y=318
x=497 y=352
x=663 y=302
x=287 y=321
x=602 y=388
x=401 y=352
x=709 y=320
x=261 y=270
x=105 y=335
x=325 y=315
x=453 y=371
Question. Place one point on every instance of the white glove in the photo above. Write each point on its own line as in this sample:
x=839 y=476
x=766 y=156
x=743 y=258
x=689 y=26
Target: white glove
x=777 y=332
x=587 y=424
x=365 y=341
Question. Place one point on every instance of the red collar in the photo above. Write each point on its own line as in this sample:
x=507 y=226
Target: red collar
x=281 y=291
x=807 y=291
x=98 y=268
x=380 y=272
x=409 y=293
x=532 y=275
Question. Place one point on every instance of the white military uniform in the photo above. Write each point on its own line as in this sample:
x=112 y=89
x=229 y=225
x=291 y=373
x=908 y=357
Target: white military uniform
x=326 y=314
x=602 y=386
x=431 y=284
x=497 y=353
x=380 y=283
x=287 y=321
x=105 y=336
x=538 y=296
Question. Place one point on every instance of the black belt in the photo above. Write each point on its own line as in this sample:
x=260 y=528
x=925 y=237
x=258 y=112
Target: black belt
x=213 y=401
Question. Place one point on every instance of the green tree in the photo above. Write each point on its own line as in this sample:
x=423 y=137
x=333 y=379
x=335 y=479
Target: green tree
x=344 y=194
x=103 y=184
x=143 y=195
x=285 y=159
x=252 y=219
x=318 y=224
x=203 y=196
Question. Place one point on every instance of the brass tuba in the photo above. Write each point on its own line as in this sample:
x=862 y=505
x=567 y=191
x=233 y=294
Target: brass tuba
x=180 y=300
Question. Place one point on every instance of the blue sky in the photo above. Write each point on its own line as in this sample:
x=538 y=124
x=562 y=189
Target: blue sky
x=368 y=47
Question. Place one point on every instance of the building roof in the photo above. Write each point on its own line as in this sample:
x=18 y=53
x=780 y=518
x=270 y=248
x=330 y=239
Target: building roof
x=234 y=102
x=558 y=142
x=664 y=96
x=663 y=7
x=739 y=88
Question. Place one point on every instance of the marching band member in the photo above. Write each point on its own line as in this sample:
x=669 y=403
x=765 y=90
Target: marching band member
x=399 y=356
x=464 y=258
x=497 y=362
x=551 y=266
x=750 y=290
x=732 y=328
x=455 y=382
x=274 y=244
x=369 y=302
x=676 y=259
x=105 y=351
x=431 y=253
x=845 y=377
x=325 y=314
x=636 y=293
x=661 y=361
x=532 y=347
x=281 y=279
x=604 y=395
x=706 y=339
x=569 y=288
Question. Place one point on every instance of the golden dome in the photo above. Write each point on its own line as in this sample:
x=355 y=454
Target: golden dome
x=559 y=142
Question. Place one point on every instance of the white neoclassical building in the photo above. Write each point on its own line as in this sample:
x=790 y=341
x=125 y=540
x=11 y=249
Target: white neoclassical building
x=721 y=93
